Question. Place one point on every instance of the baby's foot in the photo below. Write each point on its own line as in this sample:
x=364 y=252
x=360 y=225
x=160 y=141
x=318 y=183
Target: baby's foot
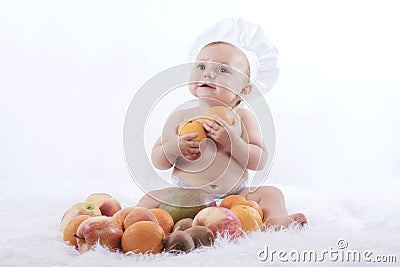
x=280 y=223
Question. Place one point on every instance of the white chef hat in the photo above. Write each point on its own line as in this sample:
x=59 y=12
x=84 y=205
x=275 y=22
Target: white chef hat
x=251 y=39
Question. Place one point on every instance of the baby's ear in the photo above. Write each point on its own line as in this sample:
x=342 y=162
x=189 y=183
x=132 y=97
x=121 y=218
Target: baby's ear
x=247 y=89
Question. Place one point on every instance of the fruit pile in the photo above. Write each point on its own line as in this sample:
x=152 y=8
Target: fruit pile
x=188 y=219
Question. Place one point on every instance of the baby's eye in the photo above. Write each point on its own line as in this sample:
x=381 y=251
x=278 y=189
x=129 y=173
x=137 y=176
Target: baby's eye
x=201 y=67
x=222 y=69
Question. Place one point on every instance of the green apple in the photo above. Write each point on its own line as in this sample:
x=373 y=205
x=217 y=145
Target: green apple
x=81 y=208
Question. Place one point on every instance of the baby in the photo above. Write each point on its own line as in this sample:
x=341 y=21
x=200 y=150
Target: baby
x=220 y=77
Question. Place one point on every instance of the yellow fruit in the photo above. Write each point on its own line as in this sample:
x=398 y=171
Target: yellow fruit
x=143 y=237
x=228 y=201
x=250 y=203
x=192 y=126
x=137 y=214
x=72 y=226
x=222 y=112
x=164 y=219
x=249 y=217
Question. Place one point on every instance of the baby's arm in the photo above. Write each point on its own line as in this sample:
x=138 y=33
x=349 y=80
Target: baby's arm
x=159 y=158
x=252 y=152
x=170 y=146
x=249 y=149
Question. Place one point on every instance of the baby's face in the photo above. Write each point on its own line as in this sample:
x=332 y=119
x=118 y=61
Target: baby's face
x=219 y=73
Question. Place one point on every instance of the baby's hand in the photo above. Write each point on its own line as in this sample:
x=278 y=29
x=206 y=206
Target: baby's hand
x=221 y=132
x=189 y=149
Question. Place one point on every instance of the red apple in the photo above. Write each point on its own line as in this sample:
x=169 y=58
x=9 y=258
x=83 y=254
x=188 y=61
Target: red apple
x=220 y=221
x=72 y=227
x=100 y=229
x=106 y=203
x=82 y=208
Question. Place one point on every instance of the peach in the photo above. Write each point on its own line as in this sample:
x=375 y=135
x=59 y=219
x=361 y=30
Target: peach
x=219 y=220
x=137 y=214
x=120 y=215
x=97 y=196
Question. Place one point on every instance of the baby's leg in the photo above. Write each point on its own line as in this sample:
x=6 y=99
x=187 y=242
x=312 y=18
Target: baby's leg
x=272 y=203
x=153 y=198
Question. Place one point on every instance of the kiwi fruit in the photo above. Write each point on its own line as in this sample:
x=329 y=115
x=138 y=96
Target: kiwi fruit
x=179 y=241
x=183 y=224
x=201 y=235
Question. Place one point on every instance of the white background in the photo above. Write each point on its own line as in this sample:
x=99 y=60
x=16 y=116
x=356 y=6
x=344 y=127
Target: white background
x=68 y=71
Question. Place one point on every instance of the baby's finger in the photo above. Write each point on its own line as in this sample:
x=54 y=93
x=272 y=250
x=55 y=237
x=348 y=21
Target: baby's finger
x=191 y=156
x=206 y=127
x=190 y=136
x=193 y=144
x=193 y=150
x=211 y=123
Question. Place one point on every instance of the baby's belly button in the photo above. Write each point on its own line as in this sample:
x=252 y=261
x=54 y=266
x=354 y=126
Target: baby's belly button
x=214 y=186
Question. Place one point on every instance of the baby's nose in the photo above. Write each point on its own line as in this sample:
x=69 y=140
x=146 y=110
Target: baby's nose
x=209 y=74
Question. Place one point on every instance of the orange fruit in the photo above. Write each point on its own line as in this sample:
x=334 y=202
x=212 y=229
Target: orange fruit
x=137 y=214
x=248 y=216
x=164 y=219
x=143 y=237
x=250 y=203
x=223 y=112
x=72 y=226
x=230 y=200
x=192 y=126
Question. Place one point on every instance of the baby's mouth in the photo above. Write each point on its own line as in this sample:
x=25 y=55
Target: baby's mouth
x=207 y=85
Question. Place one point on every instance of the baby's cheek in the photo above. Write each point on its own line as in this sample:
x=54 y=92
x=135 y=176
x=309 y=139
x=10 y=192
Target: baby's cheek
x=231 y=86
x=228 y=92
x=195 y=75
x=192 y=88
